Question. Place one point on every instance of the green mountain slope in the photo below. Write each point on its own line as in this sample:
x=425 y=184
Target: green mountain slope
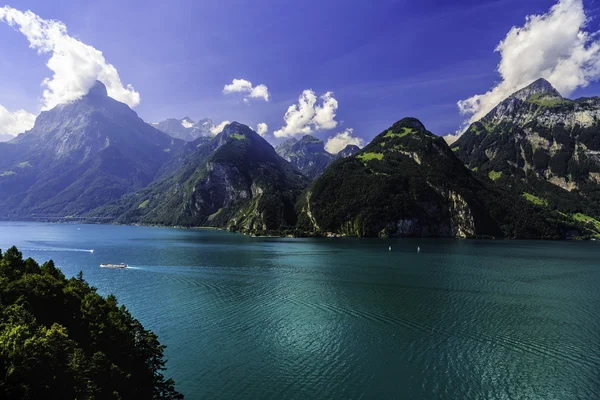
x=407 y=182
x=235 y=181
x=538 y=142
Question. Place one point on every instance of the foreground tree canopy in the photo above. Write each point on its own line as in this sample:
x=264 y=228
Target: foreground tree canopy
x=59 y=339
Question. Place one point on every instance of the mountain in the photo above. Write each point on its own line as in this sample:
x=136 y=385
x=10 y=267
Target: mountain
x=79 y=156
x=235 y=181
x=348 y=151
x=543 y=145
x=176 y=128
x=4 y=137
x=407 y=182
x=307 y=155
x=185 y=128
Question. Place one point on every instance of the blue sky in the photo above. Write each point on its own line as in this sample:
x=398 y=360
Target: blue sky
x=382 y=60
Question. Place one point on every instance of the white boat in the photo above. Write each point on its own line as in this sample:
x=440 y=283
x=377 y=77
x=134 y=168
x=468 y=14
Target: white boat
x=118 y=266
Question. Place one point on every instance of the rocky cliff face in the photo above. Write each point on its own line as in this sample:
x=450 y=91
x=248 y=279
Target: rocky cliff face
x=78 y=156
x=348 y=151
x=407 y=182
x=307 y=155
x=536 y=131
x=234 y=181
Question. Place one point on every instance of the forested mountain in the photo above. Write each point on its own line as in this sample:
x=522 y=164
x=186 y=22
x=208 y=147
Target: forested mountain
x=307 y=155
x=235 y=181
x=529 y=169
x=542 y=145
x=407 y=182
x=59 y=339
x=79 y=156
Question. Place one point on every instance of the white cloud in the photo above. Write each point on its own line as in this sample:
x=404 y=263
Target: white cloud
x=216 y=129
x=452 y=138
x=338 y=142
x=262 y=129
x=553 y=46
x=186 y=123
x=13 y=123
x=308 y=115
x=75 y=65
x=244 y=86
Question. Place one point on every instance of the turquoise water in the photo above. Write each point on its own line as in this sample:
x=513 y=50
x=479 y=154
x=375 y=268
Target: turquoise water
x=250 y=318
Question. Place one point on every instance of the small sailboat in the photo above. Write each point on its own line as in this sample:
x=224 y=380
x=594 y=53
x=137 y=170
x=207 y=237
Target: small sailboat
x=418 y=249
x=390 y=249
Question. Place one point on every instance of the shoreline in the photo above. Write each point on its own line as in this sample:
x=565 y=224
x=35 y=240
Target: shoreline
x=328 y=235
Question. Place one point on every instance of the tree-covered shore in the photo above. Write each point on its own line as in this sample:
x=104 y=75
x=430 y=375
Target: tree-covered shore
x=60 y=339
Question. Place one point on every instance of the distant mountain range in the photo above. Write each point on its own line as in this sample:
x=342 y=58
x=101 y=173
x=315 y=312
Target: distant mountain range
x=308 y=154
x=186 y=129
x=529 y=169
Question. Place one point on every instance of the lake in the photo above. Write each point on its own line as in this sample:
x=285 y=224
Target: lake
x=275 y=318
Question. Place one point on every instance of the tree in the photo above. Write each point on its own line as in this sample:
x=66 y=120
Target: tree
x=61 y=339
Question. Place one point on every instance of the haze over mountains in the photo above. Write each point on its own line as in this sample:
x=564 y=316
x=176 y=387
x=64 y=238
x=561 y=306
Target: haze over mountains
x=79 y=156
x=185 y=128
x=529 y=169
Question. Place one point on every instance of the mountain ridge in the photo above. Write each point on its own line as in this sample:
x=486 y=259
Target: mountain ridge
x=408 y=182
x=234 y=181
x=541 y=144
x=79 y=155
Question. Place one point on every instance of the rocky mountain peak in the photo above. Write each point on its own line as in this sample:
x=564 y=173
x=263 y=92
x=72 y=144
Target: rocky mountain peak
x=235 y=130
x=98 y=90
x=540 y=87
x=348 y=151
x=309 y=139
x=411 y=123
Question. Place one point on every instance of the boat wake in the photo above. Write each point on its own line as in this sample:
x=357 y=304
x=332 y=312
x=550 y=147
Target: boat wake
x=61 y=249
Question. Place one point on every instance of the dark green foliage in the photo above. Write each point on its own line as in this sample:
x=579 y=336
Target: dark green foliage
x=407 y=182
x=235 y=181
x=59 y=339
x=558 y=163
x=540 y=159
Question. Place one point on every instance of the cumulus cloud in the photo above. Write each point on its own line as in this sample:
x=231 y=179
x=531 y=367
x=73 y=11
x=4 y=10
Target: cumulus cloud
x=553 y=46
x=338 y=142
x=309 y=115
x=262 y=129
x=249 y=91
x=216 y=129
x=75 y=65
x=13 y=123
